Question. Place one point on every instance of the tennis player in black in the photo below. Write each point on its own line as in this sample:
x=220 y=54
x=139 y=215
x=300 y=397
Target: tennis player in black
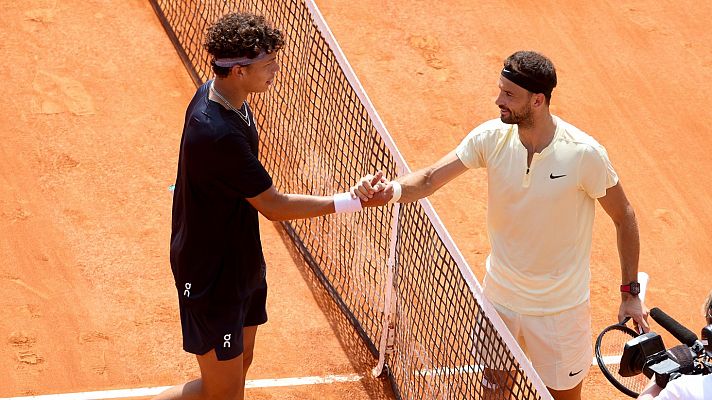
x=216 y=252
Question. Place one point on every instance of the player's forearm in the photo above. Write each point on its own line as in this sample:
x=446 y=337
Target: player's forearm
x=629 y=251
x=628 y=246
x=426 y=181
x=416 y=185
x=298 y=206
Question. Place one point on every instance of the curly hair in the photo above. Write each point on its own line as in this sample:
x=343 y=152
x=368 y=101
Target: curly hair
x=535 y=66
x=240 y=35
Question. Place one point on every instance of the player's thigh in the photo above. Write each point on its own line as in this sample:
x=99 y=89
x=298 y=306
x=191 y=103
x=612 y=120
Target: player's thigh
x=559 y=346
x=249 y=335
x=255 y=314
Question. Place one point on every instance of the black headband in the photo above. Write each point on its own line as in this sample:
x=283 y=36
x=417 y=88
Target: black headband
x=526 y=82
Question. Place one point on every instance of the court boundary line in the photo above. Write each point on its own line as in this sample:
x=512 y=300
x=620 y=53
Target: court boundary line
x=473 y=369
x=152 y=391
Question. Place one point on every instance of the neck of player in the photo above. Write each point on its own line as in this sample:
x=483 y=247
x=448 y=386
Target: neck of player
x=231 y=91
x=537 y=135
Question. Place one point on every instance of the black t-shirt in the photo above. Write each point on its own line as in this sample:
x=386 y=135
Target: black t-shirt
x=216 y=254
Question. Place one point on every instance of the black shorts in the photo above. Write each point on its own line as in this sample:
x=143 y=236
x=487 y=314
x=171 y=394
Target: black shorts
x=204 y=331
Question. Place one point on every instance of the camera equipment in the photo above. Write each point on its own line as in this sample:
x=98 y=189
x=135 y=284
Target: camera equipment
x=609 y=344
x=707 y=339
x=647 y=354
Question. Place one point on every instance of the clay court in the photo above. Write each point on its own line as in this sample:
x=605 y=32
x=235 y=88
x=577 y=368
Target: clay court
x=94 y=106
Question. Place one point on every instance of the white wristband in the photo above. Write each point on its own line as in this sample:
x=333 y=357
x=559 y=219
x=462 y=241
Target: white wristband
x=344 y=203
x=397 y=190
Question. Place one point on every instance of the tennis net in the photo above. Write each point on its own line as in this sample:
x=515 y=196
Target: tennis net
x=394 y=271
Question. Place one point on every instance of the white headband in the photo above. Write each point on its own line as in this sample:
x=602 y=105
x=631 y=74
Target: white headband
x=242 y=61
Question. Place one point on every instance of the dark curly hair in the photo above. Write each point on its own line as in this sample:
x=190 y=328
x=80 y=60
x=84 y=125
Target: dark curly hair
x=240 y=35
x=535 y=66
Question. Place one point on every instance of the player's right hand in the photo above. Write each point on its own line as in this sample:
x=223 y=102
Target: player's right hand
x=381 y=197
x=369 y=185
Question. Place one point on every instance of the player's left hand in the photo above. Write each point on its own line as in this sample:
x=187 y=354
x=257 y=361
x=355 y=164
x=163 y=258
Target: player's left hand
x=633 y=307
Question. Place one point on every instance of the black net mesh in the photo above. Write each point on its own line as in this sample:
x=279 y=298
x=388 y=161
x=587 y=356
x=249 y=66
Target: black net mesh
x=317 y=137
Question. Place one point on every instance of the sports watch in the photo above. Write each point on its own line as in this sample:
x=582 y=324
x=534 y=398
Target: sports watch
x=633 y=288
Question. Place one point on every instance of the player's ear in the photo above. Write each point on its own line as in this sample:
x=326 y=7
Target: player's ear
x=237 y=70
x=539 y=99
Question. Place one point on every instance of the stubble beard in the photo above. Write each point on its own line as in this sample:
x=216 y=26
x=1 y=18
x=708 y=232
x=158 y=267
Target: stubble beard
x=523 y=119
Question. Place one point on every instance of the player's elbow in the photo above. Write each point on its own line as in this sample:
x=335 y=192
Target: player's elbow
x=270 y=215
x=270 y=204
x=429 y=187
x=272 y=212
x=629 y=215
x=626 y=218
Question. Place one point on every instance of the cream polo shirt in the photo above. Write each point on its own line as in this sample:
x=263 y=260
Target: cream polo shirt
x=539 y=220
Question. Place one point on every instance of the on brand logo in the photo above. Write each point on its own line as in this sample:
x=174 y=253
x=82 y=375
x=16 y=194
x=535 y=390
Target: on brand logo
x=186 y=292
x=227 y=340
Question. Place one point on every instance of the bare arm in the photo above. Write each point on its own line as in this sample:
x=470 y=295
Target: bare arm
x=277 y=206
x=621 y=212
x=426 y=181
x=416 y=185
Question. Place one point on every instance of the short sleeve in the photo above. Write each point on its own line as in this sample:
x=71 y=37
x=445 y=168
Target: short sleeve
x=222 y=160
x=471 y=151
x=238 y=167
x=596 y=173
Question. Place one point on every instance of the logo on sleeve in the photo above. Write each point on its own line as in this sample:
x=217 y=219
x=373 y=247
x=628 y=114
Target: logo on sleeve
x=552 y=176
x=186 y=292
x=571 y=373
x=227 y=337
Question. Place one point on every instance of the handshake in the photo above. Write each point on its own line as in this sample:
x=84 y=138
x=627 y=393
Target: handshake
x=375 y=190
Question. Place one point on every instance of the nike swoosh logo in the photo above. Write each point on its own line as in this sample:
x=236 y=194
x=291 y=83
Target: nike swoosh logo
x=573 y=373
x=552 y=176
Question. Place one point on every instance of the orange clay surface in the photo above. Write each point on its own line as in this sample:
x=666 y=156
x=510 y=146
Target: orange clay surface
x=94 y=96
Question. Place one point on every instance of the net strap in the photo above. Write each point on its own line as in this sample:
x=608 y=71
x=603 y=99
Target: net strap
x=385 y=347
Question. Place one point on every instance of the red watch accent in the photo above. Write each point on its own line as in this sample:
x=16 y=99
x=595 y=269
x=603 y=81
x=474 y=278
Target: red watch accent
x=633 y=288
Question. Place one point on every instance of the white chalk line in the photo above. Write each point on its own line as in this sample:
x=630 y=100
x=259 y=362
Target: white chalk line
x=256 y=383
x=152 y=391
x=473 y=369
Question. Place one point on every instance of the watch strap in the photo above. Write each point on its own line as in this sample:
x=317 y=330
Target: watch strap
x=633 y=288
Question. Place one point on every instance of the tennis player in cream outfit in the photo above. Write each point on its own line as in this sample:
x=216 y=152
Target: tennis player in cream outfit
x=544 y=176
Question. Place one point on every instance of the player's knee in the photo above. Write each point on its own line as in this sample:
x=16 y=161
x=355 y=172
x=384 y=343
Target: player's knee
x=225 y=387
x=226 y=390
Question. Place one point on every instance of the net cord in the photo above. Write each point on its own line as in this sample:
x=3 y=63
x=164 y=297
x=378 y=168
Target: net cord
x=487 y=306
x=403 y=168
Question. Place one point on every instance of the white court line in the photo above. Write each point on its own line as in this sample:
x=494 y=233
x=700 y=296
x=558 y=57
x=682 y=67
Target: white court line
x=608 y=360
x=142 y=392
x=471 y=369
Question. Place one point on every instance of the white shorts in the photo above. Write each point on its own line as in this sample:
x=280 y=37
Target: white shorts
x=558 y=345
